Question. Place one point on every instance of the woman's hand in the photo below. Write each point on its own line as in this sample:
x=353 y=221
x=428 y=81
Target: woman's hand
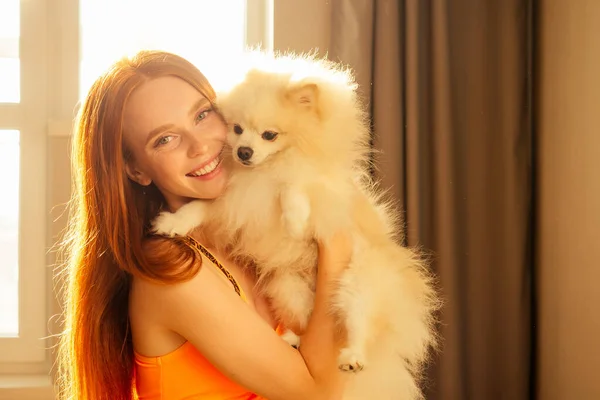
x=335 y=253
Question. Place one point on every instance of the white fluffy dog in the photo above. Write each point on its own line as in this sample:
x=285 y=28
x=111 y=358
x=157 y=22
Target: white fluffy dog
x=300 y=139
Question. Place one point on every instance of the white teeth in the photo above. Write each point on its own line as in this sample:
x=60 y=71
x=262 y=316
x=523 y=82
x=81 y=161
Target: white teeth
x=207 y=169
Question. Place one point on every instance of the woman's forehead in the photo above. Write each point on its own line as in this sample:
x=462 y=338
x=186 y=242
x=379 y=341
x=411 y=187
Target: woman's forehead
x=160 y=101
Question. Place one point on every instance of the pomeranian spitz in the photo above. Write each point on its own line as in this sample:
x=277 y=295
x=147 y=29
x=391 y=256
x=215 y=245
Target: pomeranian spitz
x=299 y=137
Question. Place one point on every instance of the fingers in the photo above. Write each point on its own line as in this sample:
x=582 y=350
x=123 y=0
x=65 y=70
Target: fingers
x=335 y=252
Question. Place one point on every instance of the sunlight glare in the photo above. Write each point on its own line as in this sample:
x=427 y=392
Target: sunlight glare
x=206 y=32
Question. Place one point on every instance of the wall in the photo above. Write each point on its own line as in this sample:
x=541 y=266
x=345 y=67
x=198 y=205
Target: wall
x=301 y=26
x=569 y=199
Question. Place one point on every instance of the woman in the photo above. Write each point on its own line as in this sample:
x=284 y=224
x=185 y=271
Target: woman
x=166 y=318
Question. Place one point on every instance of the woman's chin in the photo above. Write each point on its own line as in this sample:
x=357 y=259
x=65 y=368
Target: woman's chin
x=214 y=188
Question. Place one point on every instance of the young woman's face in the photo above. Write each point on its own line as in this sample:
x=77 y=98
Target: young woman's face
x=176 y=140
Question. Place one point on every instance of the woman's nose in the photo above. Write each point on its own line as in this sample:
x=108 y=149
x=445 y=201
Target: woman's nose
x=197 y=148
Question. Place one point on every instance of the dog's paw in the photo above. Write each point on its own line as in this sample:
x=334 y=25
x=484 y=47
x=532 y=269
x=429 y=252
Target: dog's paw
x=187 y=218
x=350 y=360
x=291 y=338
x=171 y=224
x=296 y=227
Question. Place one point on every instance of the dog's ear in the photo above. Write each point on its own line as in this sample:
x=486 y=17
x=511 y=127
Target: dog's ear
x=305 y=95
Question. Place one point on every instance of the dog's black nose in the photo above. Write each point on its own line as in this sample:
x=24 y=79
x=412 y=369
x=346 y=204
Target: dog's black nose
x=244 y=153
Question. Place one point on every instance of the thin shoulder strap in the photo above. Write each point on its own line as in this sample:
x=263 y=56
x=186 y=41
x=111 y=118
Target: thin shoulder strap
x=196 y=245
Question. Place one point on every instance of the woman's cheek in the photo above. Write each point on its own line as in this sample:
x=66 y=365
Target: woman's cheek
x=220 y=128
x=167 y=157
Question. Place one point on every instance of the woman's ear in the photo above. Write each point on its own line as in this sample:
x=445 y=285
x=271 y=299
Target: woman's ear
x=136 y=175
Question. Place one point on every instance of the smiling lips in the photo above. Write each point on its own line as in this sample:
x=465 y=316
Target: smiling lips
x=207 y=169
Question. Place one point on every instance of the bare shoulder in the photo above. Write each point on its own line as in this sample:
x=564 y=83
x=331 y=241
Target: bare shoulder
x=161 y=313
x=159 y=297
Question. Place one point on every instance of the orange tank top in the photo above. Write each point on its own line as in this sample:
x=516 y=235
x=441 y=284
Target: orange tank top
x=184 y=373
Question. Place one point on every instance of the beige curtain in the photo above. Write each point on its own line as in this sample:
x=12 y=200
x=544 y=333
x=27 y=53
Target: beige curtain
x=449 y=84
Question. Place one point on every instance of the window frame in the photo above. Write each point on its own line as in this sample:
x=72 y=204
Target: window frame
x=29 y=117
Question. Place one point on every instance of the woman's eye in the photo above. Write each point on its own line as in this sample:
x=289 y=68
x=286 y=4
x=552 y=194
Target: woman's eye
x=164 y=140
x=268 y=135
x=202 y=115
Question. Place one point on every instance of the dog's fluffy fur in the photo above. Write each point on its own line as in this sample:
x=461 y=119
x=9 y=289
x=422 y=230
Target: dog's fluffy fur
x=306 y=183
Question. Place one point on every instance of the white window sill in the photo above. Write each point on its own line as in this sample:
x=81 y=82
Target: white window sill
x=26 y=387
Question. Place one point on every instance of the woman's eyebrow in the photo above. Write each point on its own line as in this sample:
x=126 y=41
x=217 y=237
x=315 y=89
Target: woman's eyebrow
x=201 y=102
x=158 y=130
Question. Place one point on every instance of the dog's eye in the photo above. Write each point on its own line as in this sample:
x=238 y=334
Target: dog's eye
x=268 y=135
x=238 y=129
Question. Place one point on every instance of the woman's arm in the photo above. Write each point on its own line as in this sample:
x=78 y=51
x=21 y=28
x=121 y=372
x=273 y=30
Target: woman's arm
x=320 y=344
x=241 y=345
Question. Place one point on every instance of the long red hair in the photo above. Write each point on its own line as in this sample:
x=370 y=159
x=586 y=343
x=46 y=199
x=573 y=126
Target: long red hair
x=108 y=241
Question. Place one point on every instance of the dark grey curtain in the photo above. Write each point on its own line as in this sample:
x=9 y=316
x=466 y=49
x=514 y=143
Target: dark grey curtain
x=449 y=86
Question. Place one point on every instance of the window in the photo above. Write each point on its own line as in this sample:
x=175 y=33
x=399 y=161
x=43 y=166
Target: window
x=50 y=53
x=10 y=90
x=9 y=232
x=23 y=117
x=205 y=32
